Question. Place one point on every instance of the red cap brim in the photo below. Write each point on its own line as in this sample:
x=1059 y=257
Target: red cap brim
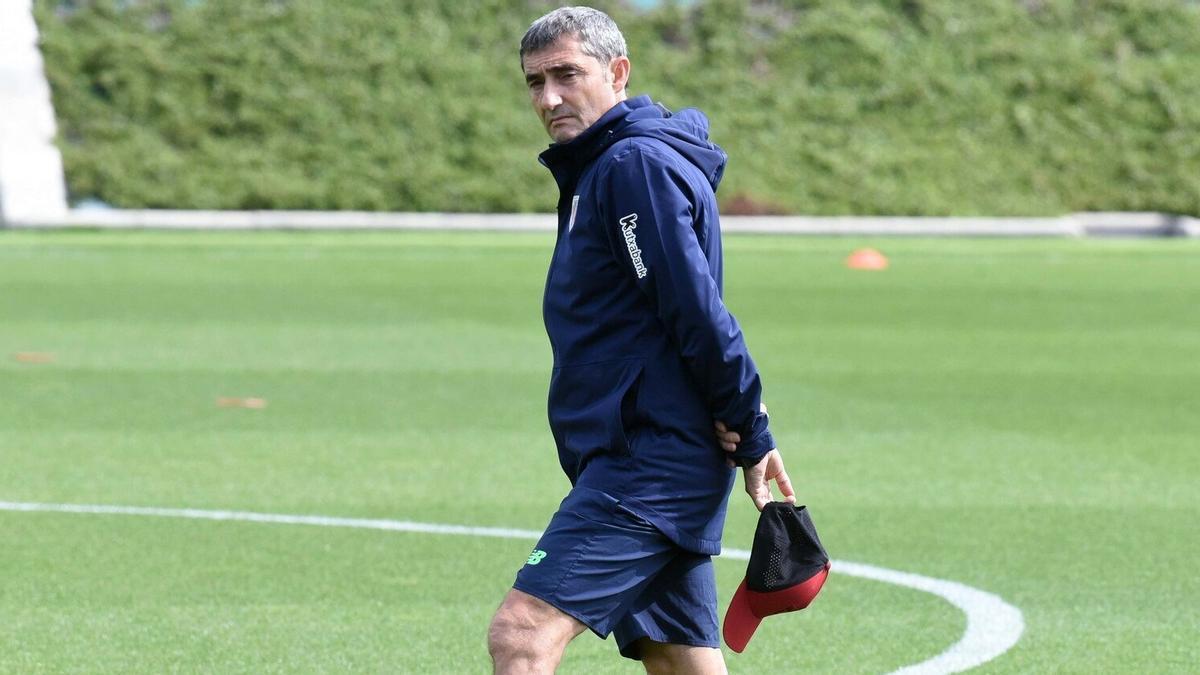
x=788 y=599
x=740 y=621
x=748 y=607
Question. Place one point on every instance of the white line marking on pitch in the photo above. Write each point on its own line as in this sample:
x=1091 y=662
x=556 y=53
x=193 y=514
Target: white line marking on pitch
x=993 y=625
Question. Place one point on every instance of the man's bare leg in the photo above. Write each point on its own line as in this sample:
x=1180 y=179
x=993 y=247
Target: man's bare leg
x=667 y=659
x=527 y=635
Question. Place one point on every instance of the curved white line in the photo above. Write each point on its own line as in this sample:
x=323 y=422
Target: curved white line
x=993 y=625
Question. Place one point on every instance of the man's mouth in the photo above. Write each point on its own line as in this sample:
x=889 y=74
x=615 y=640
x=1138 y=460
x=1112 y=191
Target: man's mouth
x=561 y=118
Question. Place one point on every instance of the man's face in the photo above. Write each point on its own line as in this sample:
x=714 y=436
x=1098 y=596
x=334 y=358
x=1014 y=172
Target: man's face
x=571 y=90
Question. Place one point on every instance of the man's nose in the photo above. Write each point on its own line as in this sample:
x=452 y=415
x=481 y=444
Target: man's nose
x=550 y=98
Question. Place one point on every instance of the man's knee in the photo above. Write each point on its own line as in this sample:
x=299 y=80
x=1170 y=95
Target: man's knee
x=529 y=634
x=512 y=631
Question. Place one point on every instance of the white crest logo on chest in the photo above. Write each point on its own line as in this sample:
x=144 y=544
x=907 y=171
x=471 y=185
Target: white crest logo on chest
x=574 y=208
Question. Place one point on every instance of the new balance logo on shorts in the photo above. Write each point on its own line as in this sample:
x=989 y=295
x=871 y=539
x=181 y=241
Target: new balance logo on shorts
x=535 y=557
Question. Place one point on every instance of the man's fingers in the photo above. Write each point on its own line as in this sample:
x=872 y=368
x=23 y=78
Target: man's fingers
x=728 y=439
x=725 y=434
x=785 y=486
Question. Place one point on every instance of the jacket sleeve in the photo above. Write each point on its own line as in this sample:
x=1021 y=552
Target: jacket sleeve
x=652 y=210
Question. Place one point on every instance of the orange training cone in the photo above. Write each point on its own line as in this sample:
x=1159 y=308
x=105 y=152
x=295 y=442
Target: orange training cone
x=867 y=259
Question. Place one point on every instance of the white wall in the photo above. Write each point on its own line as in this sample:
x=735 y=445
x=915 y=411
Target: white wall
x=31 y=172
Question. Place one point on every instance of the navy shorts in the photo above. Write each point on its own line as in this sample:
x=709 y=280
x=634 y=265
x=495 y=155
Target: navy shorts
x=616 y=573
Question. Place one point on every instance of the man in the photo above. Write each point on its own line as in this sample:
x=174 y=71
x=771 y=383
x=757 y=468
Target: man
x=647 y=363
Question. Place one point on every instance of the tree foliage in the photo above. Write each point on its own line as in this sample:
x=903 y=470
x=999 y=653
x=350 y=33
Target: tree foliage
x=922 y=107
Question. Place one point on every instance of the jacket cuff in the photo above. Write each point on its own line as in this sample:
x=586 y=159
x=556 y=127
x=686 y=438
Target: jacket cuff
x=751 y=452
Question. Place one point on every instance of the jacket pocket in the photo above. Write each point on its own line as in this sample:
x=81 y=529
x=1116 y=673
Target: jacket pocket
x=593 y=408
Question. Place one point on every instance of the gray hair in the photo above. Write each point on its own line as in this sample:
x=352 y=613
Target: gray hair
x=598 y=34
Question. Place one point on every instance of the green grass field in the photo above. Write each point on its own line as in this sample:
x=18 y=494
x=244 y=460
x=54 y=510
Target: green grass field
x=1019 y=416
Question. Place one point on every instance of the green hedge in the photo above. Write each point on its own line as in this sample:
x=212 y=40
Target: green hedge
x=922 y=107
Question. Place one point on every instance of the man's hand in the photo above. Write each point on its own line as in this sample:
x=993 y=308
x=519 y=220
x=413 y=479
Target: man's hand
x=759 y=477
x=728 y=439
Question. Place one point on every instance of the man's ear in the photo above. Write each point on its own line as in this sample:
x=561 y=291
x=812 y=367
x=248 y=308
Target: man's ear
x=618 y=73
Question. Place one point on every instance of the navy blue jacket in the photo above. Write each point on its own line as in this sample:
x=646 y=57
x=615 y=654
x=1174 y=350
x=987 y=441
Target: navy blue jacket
x=646 y=355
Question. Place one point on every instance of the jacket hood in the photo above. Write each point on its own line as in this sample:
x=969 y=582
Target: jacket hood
x=685 y=132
